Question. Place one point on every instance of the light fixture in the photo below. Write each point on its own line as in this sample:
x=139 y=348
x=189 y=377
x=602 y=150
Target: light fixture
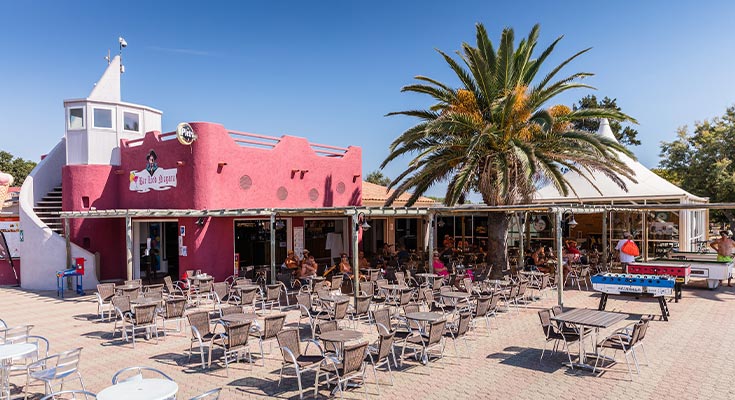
x=200 y=221
x=568 y=218
x=280 y=224
x=362 y=222
x=441 y=223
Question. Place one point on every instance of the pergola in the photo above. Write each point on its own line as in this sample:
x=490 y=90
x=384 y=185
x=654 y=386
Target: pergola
x=358 y=214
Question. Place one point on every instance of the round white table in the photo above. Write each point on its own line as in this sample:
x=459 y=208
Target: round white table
x=141 y=389
x=7 y=353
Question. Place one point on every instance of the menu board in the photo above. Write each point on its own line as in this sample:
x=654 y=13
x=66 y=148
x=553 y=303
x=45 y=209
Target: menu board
x=298 y=240
x=11 y=231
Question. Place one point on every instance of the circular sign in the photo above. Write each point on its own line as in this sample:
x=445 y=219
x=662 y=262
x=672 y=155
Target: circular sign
x=185 y=134
x=540 y=224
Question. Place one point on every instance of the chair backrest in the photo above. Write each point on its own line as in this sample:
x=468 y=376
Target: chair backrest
x=556 y=310
x=208 y=395
x=645 y=319
x=438 y=283
x=132 y=293
x=340 y=309
x=381 y=282
x=353 y=357
x=230 y=310
x=545 y=318
x=467 y=283
x=412 y=308
x=153 y=288
x=400 y=278
x=237 y=333
x=200 y=321
x=145 y=314
x=367 y=288
x=273 y=292
x=337 y=282
x=157 y=295
x=304 y=299
x=327 y=326
x=121 y=302
x=482 y=307
x=374 y=275
x=385 y=345
x=445 y=289
x=15 y=334
x=67 y=363
x=175 y=308
x=169 y=284
x=428 y=296
x=522 y=288
x=138 y=282
x=137 y=374
x=382 y=316
x=436 y=330
x=205 y=287
x=106 y=290
x=544 y=282
x=247 y=296
x=494 y=299
x=464 y=324
x=289 y=339
x=221 y=289
x=363 y=305
x=406 y=295
x=273 y=325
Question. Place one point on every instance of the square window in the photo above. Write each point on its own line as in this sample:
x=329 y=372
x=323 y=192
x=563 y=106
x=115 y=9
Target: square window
x=102 y=118
x=76 y=118
x=131 y=121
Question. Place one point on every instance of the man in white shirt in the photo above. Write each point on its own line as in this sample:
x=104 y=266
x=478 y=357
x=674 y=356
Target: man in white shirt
x=625 y=259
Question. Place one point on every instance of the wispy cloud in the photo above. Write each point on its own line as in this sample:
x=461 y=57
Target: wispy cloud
x=191 y=52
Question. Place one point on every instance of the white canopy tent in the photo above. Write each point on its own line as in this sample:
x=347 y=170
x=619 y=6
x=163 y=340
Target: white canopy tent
x=649 y=189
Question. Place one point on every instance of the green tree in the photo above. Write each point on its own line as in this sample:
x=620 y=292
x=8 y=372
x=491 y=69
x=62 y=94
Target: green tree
x=378 y=178
x=625 y=135
x=492 y=134
x=702 y=162
x=15 y=166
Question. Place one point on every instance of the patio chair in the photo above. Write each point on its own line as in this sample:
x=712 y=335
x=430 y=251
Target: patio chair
x=306 y=310
x=63 y=394
x=15 y=334
x=105 y=292
x=540 y=285
x=289 y=343
x=272 y=296
x=625 y=342
x=201 y=333
x=400 y=278
x=367 y=288
x=175 y=289
x=245 y=297
x=350 y=368
x=336 y=283
x=324 y=327
x=233 y=341
x=158 y=287
x=120 y=376
x=361 y=312
x=220 y=293
x=339 y=313
x=230 y=310
x=208 y=395
x=482 y=310
x=121 y=307
x=552 y=332
x=58 y=368
x=459 y=330
x=204 y=291
x=143 y=318
x=173 y=311
x=131 y=292
x=423 y=345
x=404 y=298
x=138 y=282
x=379 y=355
x=272 y=325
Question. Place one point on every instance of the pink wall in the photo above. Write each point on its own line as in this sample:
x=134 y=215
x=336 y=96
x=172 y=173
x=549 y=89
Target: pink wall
x=213 y=173
x=6 y=274
x=106 y=236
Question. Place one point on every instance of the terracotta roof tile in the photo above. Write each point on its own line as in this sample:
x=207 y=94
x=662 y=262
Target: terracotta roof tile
x=375 y=195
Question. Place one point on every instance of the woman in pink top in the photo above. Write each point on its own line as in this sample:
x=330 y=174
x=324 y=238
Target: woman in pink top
x=439 y=267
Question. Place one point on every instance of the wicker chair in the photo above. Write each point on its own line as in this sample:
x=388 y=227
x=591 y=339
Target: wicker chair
x=175 y=289
x=230 y=310
x=153 y=288
x=58 y=368
x=336 y=282
x=306 y=311
x=459 y=331
x=289 y=343
x=272 y=296
x=234 y=340
x=138 y=282
x=105 y=293
x=384 y=325
x=626 y=340
x=272 y=325
x=352 y=367
x=132 y=292
x=201 y=333
x=339 y=313
x=121 y=307
x=379 y=354
x=173 y=310
x=554 y=332
x=205 y=291
x=118 y=377
x=423 y=345
x=361 y=312
x=484 y=309
x=144 y=318
x=244 y=297
x=220 y=294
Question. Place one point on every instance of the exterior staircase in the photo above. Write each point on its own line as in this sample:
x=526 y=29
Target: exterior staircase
x=48 y=209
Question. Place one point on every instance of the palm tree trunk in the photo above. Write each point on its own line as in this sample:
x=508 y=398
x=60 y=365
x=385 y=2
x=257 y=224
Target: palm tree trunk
x=497 y=243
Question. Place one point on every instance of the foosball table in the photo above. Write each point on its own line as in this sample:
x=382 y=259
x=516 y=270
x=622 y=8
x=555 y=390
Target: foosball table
x=635 y=285
x=681 y=273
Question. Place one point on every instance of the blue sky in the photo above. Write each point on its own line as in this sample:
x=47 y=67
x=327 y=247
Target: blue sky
x=330 y=71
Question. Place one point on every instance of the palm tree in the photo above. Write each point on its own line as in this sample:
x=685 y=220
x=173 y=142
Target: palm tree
x=492 y=134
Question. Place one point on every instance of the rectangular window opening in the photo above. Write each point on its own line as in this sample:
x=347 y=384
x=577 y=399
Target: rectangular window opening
x=102 y=118
x=131 y=122
x=76 y=118
x=85 y=201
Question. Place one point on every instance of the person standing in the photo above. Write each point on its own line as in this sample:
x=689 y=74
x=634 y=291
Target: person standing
x=724 y=247
x=624 y=257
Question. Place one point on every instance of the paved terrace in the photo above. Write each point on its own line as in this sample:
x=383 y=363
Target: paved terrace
x=689 y=355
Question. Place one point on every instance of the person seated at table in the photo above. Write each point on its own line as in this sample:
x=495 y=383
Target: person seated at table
x=308 y=267
x=290 y=263
x=439 y=267
x=539 y=260
x=573 y=252
x=388 y=252
x=448 y=242
x=345 y=267
x=363 y=261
